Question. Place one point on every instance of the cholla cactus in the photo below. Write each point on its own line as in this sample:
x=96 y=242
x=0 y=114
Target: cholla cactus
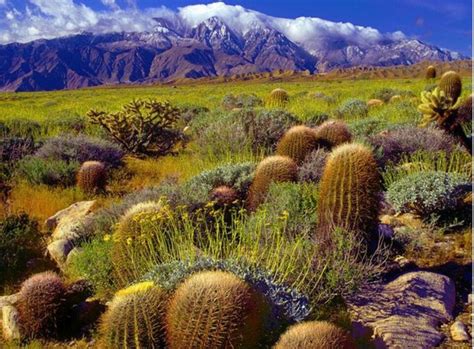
x=436 y=106
x=142 y=127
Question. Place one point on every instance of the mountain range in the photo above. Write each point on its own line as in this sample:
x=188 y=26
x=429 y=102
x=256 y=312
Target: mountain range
x=175 y=49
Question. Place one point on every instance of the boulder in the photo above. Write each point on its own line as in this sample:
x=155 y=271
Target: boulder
x=10 y=323
x=406 y=312
x=59 y=250
x=66 y=222
x=459 y=332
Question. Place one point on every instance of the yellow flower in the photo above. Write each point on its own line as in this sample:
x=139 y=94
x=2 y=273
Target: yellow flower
x=210 y=204
x=106 y=237
x=129 y=241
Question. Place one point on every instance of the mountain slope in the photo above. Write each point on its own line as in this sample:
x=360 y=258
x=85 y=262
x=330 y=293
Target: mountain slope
x=176 y=49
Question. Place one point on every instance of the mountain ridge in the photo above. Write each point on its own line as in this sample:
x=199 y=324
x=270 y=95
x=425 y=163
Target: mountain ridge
x=173 y=51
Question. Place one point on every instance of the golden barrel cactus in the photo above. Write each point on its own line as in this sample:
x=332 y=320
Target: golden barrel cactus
x=278 y=98
x=92 y=176
x=451 y=85
x=430 y=72
x=333 y=133
x=297 y=143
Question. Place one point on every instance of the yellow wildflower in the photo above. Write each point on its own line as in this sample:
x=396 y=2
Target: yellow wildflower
x=106 y=237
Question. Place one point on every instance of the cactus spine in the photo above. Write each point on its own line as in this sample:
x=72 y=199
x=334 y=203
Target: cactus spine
x=92 y=176
x=451 y=84
x=430 y=72
x=135 y=318
x=333 y=133
x=297 y=143
x=41 y=305
x=271 y=169
x=349 y=192
x=215 y=309
x=278 y=98
x=315 y=335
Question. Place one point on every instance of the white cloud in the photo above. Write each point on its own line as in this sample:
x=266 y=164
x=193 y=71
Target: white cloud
x=3 y=2
x=53 y=18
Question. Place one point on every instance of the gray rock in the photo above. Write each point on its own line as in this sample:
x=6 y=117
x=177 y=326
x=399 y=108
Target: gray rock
x=66 y=222
x=59 y=250
x=406 y=312
x=74 y=252
x=10 y=323
x=459 y=332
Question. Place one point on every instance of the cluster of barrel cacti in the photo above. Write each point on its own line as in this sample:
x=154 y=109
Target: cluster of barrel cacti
x=444 y=107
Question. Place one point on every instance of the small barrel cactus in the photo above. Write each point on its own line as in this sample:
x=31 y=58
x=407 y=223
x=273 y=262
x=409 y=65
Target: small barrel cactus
x=349 y=192
x=297 y=143
x=333 y=133
x=395 y=99
x=224 y=196
x=278 y=98
x=135 y=318
x=451 y=85
x=92 y=176
x=41 y=305
x=215 y=309
x=315 y=335
x=374 y=102
x=430 y=72
x=271 y=169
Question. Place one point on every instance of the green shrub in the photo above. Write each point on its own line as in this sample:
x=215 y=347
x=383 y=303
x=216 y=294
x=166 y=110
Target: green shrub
x=231 y=101
x=429 y=192
x=365 y=128
x=386 y=93
x=19 y=242
x=47 y=171
x=94 y=264
x=352 y=109
x=142 y=127
x=311 y=170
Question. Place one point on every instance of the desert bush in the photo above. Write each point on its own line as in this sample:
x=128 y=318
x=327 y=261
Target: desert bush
x=352 y=109
x=231 y=101
x=365 y=128
x=265 y=127
x=315 y=335
x=427 y=193
x=41 y=306
x=236 y=176
x=19 y=242
x=13 y=149
x=311 y=170
x=81 y=148
x=47 y=171
x=407 y=140
x=94 y=264
x=386 y=93
x=215 y=309
x=65 y=123
x=20 y=127
x=143 y=127
x=316 y=119
x=135 y=318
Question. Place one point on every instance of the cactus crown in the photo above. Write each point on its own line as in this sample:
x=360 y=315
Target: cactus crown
x=92 y=176
x=135 y=318
x=349 y=192
x=272 y=169
x=215 y=309
x=436 y=106
x=224 y=195
x=297 y=143
x=333 y=133
x=451 y=85
x=431 y=72
x=315 y=335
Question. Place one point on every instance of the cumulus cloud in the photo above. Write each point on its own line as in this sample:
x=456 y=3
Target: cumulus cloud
x=53 y=18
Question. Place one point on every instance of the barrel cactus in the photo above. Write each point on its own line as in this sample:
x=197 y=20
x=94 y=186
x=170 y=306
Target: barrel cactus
x=374 y=102
x=215 y=309
x=224 y=196
x=315 y=335
x=451 y=84
x=278 y=98
x=92 y=176
x=41 y=305
x=349 y=192
x=272 y=169
x=430 y=72
x=297 y=143
x=135 y=318
x=465 y=110
x=333 y=133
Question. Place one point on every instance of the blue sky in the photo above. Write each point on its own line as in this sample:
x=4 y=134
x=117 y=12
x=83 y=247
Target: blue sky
x=445 y=23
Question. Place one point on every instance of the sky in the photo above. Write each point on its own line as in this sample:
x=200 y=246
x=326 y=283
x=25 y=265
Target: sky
x=444 y=23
